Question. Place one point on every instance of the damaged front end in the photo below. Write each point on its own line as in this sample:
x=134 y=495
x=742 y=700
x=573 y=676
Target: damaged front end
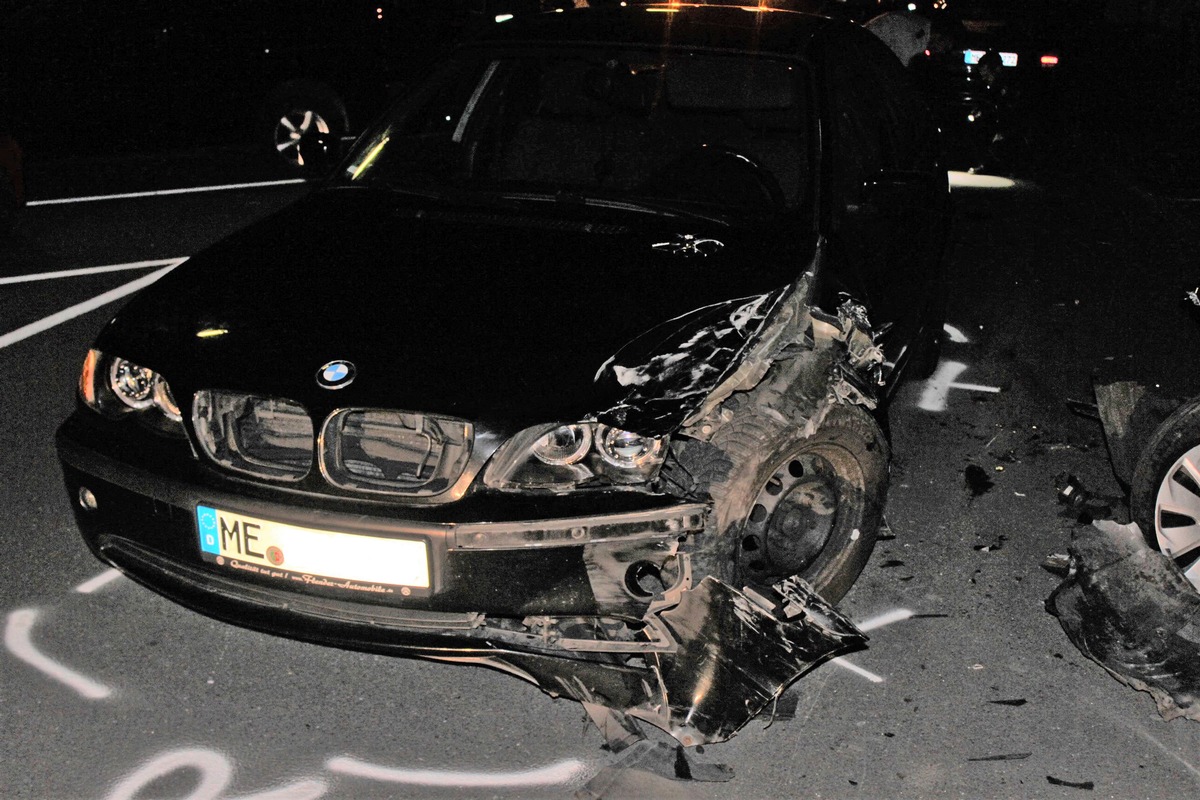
x=708 y=656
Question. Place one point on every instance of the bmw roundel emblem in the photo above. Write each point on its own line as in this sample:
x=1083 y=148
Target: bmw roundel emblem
x=336 y=375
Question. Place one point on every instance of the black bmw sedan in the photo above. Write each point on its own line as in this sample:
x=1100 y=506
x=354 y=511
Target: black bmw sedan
x=573 y=367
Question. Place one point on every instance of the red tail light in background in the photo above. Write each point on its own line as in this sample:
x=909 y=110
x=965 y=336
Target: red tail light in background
x=1049 y=60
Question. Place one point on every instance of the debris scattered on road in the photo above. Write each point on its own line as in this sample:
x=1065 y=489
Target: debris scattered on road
x=1018 y=701
x=1130 y=609
x=1088 y=785
x=641 y=769
x=976 y=480
x=1004 y=757
x=996 y=545
x=1087 y=506
x=890 y=563
x=1058 y=564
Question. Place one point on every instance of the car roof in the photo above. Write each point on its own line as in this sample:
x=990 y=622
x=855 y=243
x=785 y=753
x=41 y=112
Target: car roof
x=690 y=25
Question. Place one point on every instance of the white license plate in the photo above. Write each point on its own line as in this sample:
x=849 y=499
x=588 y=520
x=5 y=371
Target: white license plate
x=308 y=556
x=973 y=56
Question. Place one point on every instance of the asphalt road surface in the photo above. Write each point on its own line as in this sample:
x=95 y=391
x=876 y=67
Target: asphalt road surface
x=968 y=687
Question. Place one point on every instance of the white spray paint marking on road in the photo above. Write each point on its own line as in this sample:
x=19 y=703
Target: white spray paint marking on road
x=956 y=335
x=82 y=271
x=857 y=670
x=98 y=582
x=18 y=640
x=936 y=393
x=67 y=314
x=873 y=624
x=883 y=620
x=225 y=187
x=552 y=775
x=215 y=773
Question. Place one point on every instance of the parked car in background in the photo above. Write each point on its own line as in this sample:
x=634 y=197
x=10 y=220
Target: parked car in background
x=573 y=367
x=102 y=76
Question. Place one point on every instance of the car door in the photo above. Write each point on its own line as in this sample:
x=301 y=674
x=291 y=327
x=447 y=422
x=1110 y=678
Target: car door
x=886 y=195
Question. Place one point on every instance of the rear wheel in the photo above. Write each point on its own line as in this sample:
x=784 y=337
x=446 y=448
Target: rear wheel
x=1165 y=494
x=802 y=505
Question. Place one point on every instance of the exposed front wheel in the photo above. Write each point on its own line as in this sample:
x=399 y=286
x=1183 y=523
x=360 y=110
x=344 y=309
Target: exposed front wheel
x=803 y=505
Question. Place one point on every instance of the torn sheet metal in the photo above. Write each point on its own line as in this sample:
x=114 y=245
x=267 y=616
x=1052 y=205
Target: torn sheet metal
x=665 y=374
x=734 y=652
x=1130 y=413
x=678 y=373
x=1131 y=610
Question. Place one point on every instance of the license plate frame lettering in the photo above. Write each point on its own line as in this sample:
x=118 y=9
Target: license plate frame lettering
x=312 y=557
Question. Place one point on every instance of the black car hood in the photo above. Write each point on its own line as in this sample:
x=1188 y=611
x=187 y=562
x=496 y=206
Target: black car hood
x=507 y=316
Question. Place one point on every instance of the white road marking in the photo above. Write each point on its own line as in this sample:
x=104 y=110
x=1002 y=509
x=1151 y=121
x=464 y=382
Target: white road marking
x=46 y=323
x=883 y=620
x=215 y=773
x=872 y=624
x=98 y=582
x=552 y=775
x=19 y=642
x=937 y=389
x=164 y=192
x=956 y=335
x=71 y=273
x=844 y=664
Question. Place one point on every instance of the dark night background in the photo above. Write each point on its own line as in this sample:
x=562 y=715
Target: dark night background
x=1075 y=267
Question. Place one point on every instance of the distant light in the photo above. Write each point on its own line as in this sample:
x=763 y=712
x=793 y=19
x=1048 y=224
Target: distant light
x=928 y=53
x=211 y=333
x=972 y=180
x=912 y=6
x=503 y=17
x=970 y=117
x=1049 y=61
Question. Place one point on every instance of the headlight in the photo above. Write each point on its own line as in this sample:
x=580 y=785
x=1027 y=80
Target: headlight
x=583 y=454
x=626 y=449
x=566 y=444
x=115 y=386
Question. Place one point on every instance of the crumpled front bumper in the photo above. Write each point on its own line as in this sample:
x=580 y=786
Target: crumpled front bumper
x=601 y=608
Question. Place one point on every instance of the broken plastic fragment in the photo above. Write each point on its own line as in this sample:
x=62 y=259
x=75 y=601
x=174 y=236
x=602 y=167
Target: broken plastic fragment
x=1130 y=609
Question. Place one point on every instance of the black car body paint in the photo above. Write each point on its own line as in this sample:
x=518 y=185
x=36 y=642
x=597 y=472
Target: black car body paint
x=671 y=316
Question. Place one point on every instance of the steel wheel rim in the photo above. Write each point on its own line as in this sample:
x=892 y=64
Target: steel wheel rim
x=798 y=511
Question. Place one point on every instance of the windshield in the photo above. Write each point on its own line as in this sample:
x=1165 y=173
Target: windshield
x=719 y=134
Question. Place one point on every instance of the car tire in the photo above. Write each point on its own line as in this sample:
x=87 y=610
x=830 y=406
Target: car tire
x=796 y=504
x=1160 y=478
x=297 y=109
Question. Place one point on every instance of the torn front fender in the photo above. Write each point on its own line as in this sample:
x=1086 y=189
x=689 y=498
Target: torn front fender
x=1131 y=610
x=734 y=653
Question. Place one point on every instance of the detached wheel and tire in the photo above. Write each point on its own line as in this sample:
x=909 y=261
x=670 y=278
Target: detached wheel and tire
x=1164 y=497
x=796 y=505
x=299 y=110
